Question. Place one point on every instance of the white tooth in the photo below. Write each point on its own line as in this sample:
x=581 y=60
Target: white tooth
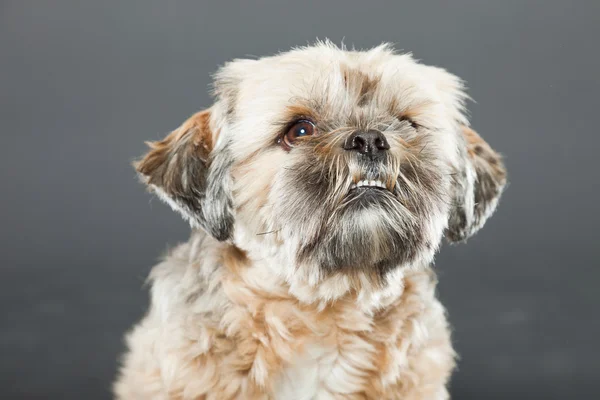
x=372 y=183
x=359 y=184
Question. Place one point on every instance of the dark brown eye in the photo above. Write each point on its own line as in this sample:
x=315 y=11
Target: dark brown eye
x=412 y=123
x=299 y=129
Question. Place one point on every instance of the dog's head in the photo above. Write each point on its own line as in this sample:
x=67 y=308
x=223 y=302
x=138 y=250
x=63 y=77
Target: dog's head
x=338 y=161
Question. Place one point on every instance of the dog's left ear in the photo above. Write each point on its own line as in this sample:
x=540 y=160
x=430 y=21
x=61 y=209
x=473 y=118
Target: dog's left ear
x=189 y=172
x=479 y=175
x=478 y=184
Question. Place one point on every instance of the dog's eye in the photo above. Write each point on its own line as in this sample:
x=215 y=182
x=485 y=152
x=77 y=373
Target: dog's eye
x=412 y=123
x=299 y=129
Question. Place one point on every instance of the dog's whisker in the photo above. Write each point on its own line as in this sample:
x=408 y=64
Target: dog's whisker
x=268 y=232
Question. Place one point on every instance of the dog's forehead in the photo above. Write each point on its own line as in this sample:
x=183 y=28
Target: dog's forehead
x=319 y=71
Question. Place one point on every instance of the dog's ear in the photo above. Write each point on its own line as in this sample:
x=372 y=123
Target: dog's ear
x=479 y=175
x=478 y=184
x=189 y=172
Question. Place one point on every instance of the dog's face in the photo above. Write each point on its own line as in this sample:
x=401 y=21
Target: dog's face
x=338 y=161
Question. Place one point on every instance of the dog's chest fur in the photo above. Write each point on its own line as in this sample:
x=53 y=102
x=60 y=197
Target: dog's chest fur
x=215 y=333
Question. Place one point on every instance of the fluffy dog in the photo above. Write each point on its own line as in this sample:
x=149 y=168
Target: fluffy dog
x=319 y=186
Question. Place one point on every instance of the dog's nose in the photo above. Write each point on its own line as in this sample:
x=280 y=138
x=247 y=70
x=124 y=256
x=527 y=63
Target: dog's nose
x=369 y=143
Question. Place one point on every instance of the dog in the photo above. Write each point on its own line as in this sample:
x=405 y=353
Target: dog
x=319 y=186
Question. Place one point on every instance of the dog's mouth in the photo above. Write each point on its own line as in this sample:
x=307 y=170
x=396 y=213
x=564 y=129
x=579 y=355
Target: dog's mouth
x=366 y=184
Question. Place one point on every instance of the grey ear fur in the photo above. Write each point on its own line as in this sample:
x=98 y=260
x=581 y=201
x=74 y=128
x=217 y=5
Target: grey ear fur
x=478 y=184
x=188 y=172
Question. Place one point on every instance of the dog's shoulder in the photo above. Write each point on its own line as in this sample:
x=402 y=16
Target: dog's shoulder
x=186 y=279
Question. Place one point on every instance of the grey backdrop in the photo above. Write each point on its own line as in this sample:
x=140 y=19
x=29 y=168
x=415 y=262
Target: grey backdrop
x=83 y=85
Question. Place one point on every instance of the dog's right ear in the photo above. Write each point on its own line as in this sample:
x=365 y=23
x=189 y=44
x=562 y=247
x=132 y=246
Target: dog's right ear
x=189 y=173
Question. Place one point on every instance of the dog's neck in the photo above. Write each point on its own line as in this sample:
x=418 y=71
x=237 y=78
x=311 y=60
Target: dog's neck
x=262 y=273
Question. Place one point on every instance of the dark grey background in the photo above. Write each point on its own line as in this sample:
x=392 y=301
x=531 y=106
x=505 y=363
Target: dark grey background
x=83 y=85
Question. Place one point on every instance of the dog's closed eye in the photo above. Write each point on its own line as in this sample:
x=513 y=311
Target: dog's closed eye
x=410 y=121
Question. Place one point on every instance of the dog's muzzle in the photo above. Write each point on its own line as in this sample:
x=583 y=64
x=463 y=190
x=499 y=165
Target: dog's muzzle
x=370 y=145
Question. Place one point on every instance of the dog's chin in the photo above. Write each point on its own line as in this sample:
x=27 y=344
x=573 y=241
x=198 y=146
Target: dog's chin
x=371 y=233
x=362 y=197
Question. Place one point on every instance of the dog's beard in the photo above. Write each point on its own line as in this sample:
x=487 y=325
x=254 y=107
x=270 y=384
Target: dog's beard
x=340 y=228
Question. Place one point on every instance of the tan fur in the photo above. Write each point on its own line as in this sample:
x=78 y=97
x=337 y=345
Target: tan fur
x=228 y=335
x=479 y=149
x=193 y=133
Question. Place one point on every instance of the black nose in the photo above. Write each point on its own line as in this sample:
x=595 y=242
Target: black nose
x=369 y=143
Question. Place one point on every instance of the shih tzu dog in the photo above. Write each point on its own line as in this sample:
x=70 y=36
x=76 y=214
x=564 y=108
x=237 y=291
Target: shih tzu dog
x=319 y=186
